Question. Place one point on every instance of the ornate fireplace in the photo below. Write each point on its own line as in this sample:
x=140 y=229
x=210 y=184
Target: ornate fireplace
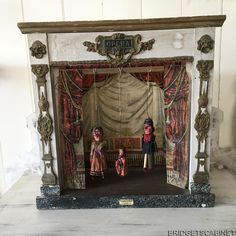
x=115 y=74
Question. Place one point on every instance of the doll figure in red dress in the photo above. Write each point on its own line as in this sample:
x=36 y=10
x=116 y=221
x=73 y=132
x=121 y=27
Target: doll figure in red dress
x=97 y=155
x=121 y=164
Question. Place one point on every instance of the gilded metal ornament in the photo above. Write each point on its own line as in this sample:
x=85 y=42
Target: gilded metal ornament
x=201 y=177
x=43 y=103
x=45 y=123
x=119 y=48
x=38 y=49
x=204 y=67
x=202 y=122
x=203 y=100
x=40 y=70
x=91 y=47
x=49 y=177
x=205 y=44
x=202 y=125
x=45 y=127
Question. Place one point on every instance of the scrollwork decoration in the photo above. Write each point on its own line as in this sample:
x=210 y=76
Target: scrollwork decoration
x=91 y=47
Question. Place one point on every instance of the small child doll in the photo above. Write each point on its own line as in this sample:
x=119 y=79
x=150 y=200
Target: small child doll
x=121 y=164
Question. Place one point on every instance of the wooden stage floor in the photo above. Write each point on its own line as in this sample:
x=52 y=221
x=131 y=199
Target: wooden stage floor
x=135 y=183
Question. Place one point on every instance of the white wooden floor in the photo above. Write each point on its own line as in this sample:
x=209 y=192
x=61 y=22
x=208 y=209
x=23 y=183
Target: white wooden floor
x=19 y=216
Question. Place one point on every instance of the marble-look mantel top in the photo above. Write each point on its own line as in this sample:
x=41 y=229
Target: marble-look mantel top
x=122 y=25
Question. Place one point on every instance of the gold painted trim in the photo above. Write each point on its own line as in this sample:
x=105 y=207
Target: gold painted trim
x=122 y=25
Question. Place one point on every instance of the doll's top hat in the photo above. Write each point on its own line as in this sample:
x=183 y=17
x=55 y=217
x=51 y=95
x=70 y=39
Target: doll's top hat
x=97 y=129
x=148 y=121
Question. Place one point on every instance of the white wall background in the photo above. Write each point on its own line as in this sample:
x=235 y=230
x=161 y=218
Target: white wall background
x=16 y=101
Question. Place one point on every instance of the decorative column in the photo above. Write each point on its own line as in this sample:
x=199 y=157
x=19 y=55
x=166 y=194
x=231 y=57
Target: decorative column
x=202 y=120
x=45 y=126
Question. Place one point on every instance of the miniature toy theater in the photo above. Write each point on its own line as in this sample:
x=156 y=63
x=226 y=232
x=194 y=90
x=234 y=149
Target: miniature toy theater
x=124 y=111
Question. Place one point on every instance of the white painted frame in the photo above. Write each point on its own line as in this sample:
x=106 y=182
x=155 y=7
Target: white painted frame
x=168 y=43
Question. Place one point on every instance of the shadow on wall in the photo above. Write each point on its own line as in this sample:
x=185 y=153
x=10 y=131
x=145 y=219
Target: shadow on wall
x=15 y=73
x=217 y=118
x=234 y=118
x=221 y=157
x=1 y=173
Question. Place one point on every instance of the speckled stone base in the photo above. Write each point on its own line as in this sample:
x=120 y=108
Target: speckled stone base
x=48 y=191
x=200 y=188
x=131 y=201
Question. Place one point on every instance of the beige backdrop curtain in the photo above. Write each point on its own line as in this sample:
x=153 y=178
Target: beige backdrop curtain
x=120 y=104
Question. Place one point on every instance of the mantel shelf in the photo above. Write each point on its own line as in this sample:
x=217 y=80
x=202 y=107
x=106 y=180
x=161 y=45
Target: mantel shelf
x=122 y=25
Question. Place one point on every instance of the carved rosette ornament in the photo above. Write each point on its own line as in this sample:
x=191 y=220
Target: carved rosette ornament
x=205 y=44
x=118 y=48
x=202 y=122
x=45 y=123
x=38 y=49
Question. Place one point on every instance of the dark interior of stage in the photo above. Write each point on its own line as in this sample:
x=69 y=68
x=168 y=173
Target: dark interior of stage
x=136 y=182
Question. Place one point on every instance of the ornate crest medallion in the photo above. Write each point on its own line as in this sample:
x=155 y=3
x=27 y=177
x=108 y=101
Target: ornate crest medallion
x=119 y=48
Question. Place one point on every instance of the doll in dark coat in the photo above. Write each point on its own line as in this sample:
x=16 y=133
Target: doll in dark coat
x=148 y=144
